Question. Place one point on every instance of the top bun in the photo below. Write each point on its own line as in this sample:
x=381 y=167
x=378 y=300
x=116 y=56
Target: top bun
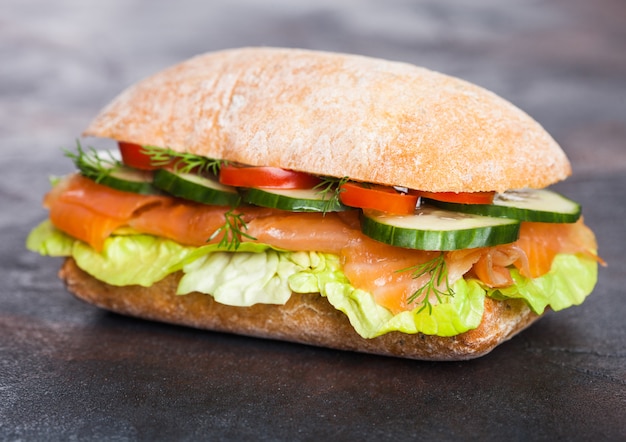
x=337 y=115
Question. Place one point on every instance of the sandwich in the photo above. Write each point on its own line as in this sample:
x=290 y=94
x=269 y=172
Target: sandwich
x=327 y=199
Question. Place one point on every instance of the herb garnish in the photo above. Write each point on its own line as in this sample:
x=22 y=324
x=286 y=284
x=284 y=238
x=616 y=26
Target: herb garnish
x=438 y=271
x=182 y=162
x=94 y=164
x=233 y=229
x=329 y=189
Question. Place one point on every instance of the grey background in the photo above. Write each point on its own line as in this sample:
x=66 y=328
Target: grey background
x=69 y=371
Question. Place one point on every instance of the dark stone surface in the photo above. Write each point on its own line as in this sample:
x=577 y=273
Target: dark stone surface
x=71 y=372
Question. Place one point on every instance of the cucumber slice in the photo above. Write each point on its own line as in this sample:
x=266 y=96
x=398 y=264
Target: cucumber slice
x=196 y=188
x=294 y=200
x=525 y=205
x=431 y=228
x=104 y=168
x=130 y=180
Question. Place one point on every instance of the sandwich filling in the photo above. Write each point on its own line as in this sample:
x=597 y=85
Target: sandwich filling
x=391 y=259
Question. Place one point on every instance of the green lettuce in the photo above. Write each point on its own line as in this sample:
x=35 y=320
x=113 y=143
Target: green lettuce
x=246 y=278
x=258 y=273
x=454 y=315
x=568 y=283
x=124 y=260
x=47 y=240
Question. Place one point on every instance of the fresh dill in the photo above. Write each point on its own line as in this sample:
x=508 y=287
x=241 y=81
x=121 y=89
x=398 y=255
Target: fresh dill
x=437 y=284
x=182 y=162
x=329 y=189
x=233 y=231
x=94 y=164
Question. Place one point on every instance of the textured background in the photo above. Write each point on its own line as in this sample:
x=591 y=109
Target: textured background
x=70 y=371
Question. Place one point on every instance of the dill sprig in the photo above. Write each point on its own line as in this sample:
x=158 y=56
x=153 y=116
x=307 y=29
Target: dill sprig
x=182 y=162
x=234 y=231
x=329 y=189
x=94 y=164
x=437 y=269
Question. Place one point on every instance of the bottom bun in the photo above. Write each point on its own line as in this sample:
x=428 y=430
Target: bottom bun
x=305 y=318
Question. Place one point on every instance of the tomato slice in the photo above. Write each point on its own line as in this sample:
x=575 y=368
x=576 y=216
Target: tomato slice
x=266 y=177
x=134 y=155
x=382 y=198
x=459 y=197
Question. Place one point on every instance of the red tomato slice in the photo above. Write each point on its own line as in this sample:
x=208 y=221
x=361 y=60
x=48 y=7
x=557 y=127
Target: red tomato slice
x=382 y=198
x=266 y=177
x=133 y=155
x=459 y=197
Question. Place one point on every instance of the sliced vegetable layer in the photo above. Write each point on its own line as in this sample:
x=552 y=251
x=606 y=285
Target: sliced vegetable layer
x=525 y=205
x=134 y=155
x=196 y=188
x=436 y=229
x=104 y=168
x=130 y=180
x=266 y=178
x=293 y=200
x=394 y=216
x=381 y=198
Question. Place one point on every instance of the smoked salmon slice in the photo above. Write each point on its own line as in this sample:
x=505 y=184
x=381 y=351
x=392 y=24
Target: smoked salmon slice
x=91 y=212
x=193 y=224
x=384 y=271
x=81 y=191
x=541 y=242
x=308 y=232
x=84 y=224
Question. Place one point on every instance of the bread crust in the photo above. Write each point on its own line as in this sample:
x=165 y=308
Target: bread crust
x=337 y=115
x=305 y=318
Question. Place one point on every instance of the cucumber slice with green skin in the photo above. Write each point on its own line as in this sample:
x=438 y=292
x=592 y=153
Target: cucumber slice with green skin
x=431 y=228
x=131 y=180
x=104 y=168
x=294 y=200
x=525 y=205
x=196 y=188
x=125 y=179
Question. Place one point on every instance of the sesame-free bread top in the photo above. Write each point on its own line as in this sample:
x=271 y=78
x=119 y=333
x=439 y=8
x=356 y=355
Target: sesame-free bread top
x=337 y=115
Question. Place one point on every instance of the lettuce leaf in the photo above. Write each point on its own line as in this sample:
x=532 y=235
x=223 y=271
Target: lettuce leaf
x=128 y=260
x=240 y=279
x=124 y=260
x=245 y=278
x=258 y=273
x=47 y=240
x=455 y=315
x=568 y=283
